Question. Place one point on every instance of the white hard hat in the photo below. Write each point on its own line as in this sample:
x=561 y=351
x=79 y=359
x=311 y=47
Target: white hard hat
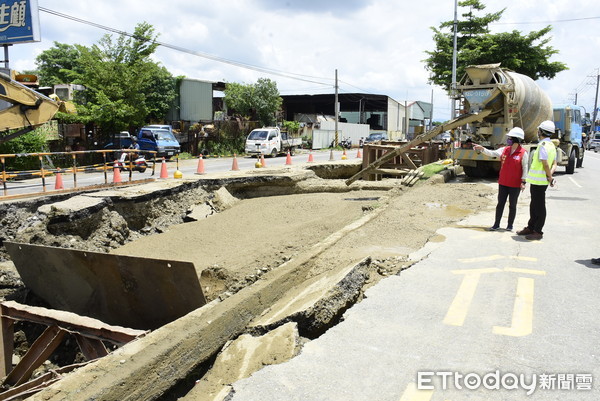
x=517 y=133
x=548 y=127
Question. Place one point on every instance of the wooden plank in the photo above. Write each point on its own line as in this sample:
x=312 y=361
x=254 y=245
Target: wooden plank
x=91 y=348
x=414 y=178
x=38 y=384
x=39 y=351
x=86 y=326
x=7 y=343
x=390 y=171
x=406 y=159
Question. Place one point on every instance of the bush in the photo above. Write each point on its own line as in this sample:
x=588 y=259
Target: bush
x=32 y=142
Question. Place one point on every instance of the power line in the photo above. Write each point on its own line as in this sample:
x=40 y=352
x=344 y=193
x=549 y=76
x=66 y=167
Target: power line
x=544 y=22
x=289 y=75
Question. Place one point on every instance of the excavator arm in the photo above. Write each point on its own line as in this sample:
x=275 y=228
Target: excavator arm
x=29 y=109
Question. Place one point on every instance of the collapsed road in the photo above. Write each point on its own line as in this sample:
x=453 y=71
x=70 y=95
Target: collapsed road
x=278 y=255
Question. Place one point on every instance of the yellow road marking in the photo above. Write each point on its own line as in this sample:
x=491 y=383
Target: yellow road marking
x=522 y=319
x=476 y=271
x=526 y=271
x=462 y=300
x=482 y=259
x=497 y=257
x=413 y=394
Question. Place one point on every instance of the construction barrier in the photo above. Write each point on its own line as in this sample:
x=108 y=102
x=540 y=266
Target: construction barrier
x=47 y=169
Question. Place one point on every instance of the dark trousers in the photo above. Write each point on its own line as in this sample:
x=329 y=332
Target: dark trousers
x=512 y=194
x=537 y=208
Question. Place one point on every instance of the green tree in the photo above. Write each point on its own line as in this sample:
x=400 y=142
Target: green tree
x=124 y=87
x=259 y=101
x=57 y=64
x=526 y=54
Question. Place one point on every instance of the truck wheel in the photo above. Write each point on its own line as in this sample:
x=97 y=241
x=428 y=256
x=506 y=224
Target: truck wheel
x=274 y=153
x=571 y=164
x=580 y=161
x=475 y=172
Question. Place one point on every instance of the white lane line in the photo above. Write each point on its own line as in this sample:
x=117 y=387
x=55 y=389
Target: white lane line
x=575 y=182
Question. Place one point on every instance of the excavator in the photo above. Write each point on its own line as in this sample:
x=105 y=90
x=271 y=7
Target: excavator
x=29 y=108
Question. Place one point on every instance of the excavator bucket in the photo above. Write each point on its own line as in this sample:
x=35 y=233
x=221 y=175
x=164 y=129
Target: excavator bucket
x=128 y=291
x=30 y=107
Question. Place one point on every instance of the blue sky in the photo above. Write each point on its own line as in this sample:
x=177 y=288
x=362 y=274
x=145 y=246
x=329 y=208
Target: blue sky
x=377 y=46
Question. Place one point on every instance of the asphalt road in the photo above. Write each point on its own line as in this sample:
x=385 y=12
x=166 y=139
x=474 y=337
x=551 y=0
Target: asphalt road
x=483 y=316
x=187 y=167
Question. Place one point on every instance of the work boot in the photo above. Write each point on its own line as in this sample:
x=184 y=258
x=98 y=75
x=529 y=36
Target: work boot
x=525 y=231
x=534 y=236
x=495 y=227
x=596 y=261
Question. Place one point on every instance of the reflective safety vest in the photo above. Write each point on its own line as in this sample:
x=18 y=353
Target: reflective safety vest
x=537 y=174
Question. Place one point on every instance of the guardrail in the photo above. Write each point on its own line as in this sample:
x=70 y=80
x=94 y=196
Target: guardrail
x=47 y=168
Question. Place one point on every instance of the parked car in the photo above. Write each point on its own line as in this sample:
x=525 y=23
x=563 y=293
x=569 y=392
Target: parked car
x=376 y=137
x=595 y=142
x=270 y=141
x=159 y=139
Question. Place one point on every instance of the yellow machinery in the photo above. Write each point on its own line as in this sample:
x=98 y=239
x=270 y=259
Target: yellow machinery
x=29 y=108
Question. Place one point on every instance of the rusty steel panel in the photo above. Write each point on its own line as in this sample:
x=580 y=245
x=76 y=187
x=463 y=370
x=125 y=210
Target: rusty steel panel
x=134 y=292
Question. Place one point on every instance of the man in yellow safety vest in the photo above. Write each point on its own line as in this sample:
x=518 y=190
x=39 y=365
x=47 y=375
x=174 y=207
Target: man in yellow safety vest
x=539 y=177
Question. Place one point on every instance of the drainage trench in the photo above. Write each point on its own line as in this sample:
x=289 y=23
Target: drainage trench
x=279 y=258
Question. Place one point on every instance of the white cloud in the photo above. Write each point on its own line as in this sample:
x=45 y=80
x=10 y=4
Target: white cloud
x=376 y=45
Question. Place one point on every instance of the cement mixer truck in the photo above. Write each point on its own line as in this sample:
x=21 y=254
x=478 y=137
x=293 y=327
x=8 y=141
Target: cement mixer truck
x=506 y=99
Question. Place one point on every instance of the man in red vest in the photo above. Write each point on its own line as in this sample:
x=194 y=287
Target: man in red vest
x=513 y=171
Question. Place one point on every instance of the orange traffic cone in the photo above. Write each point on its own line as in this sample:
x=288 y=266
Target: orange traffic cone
x=234 y=165
x=200 y=169
x=59 y=183
x=288 y=159
x=163 y=169
x=262 y=160
x=116 y=172
x=358 y=154
x=310 y=158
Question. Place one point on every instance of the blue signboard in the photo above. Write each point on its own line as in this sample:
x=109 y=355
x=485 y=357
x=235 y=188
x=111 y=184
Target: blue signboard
x=19 y=21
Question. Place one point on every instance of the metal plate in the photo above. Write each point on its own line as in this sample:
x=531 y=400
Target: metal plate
x=129 y=291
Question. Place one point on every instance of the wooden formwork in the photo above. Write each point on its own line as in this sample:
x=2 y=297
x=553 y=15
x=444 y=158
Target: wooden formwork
x=400 y=164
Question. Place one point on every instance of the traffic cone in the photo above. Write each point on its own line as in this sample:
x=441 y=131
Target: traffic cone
x=288 y=159
x=310 y=158
x=200 y=169
x=163 y=169
x=234 y=165
x=358 y=154
x=262 y=160
x=116 y=172
x=331 y=155
x=59 y=183
x=344 y=156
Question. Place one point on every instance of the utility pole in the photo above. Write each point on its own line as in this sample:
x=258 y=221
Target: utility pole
x=431 y=112
x=595 y=114
x=454 y=57
x=337 y=110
